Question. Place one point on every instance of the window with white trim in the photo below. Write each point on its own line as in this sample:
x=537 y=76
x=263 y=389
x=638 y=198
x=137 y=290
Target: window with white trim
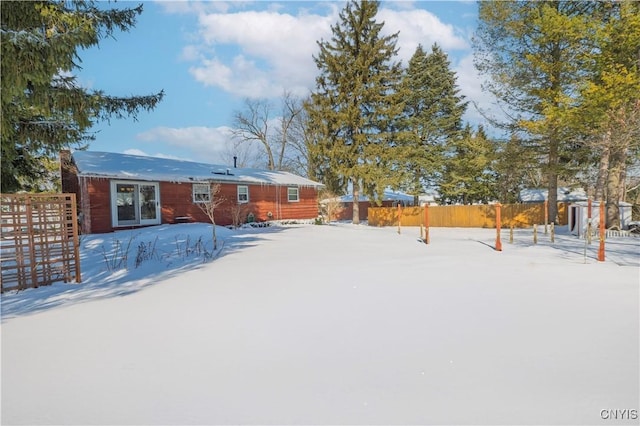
x=201 y=193
x=293 y=194
x=243 y=194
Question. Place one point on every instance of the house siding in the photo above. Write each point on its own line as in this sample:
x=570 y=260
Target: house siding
x=177 y=203
x=97 y=203
x=267 y=200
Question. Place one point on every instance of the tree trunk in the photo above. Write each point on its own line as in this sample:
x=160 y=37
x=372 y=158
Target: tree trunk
x=552 y=176
x=271 y=163
x=356 y=202
x=603 y=168
x=615 y=187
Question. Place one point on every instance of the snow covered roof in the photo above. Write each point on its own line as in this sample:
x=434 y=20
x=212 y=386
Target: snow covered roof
x=135 y=167
x=388 y=195
x=538 y=195
x=429 y=198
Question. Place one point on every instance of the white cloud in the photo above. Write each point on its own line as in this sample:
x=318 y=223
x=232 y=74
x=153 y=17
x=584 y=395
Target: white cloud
x=419 y=27
x=470 y=86
x=273 y=50
x=259 y=54
x=190 y=53
x=205 y=144
x=470 y=83
x=241 y=77
x=195 y=7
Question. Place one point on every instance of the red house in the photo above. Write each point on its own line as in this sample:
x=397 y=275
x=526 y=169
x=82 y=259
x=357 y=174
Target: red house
x=116 y=191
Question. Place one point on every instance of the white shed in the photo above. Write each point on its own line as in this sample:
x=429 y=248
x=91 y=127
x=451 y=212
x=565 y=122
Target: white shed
x=579 y=216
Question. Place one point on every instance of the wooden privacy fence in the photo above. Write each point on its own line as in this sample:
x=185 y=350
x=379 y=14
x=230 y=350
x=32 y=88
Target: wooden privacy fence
x=39 y=240
x=469 y=216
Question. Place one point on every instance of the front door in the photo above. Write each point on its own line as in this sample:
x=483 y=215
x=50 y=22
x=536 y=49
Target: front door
x=135 y=203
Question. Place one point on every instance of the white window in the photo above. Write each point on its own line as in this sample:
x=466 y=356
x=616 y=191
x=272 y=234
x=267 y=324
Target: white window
x=293 y=194
x=201 y=193
x=243 y=194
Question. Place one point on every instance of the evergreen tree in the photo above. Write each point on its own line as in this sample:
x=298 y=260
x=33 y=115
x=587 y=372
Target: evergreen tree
x=516 y=168
x=355 y=106
x=608 y=114
x=535 y=55
x=432 y=116
x=43 y=108
x=468 y=175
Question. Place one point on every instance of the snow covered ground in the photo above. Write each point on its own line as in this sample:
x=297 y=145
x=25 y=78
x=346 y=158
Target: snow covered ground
x=336 y=324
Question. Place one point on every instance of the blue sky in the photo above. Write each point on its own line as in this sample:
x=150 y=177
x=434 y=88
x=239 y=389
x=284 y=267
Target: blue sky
x=210 y=56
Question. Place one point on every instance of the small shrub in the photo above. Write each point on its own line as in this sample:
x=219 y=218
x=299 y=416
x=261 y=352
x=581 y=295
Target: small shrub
x=331 y=206
x=118 y=257
x=197 y=248
x=239 y=214
x=146 y=251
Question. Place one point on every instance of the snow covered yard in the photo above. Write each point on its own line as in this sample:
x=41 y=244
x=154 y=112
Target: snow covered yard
x=335 y=324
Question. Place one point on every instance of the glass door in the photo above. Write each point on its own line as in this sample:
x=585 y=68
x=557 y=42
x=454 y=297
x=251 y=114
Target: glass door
x=135 y=203
x=148 y=196
x=126 y=206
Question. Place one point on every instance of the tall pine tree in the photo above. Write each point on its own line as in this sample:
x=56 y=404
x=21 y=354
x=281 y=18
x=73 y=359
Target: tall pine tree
x=431 y=117
x=608 y=113
x=468 y=175
x=535 y=55
x=516 y=168
x=356 y=104
x=43 y=107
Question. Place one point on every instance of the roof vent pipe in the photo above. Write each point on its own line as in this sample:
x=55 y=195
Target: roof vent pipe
x=235 y=162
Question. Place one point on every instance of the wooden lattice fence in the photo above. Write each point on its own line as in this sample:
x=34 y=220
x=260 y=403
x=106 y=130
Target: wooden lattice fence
x=39 y=240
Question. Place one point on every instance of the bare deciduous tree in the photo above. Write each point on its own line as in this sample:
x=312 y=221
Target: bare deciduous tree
x=252 y=124
x=279 y=137
x=209 y=208
x=242 y=153
x=289 y=131
x=239 y=213
x=299 y=138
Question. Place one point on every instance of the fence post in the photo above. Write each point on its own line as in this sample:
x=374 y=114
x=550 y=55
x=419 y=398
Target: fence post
x=399 y=216
x=74 y=230
x=32 y=244
x=511 y=234
x=601 y=248
x=426 y=223
x=589 y=206
x=535 y=234
x=498 y=225
x=546 y=215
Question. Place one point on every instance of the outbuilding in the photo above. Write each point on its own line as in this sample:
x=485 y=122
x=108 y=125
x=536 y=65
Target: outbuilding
x=565 y=196
x=116 y=191
x=579 y=217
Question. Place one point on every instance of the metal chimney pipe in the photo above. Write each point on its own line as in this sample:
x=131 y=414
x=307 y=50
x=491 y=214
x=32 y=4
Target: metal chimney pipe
x=235 y=162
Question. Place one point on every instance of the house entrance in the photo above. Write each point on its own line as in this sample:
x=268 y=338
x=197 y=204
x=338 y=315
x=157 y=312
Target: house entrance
x=135 y=203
